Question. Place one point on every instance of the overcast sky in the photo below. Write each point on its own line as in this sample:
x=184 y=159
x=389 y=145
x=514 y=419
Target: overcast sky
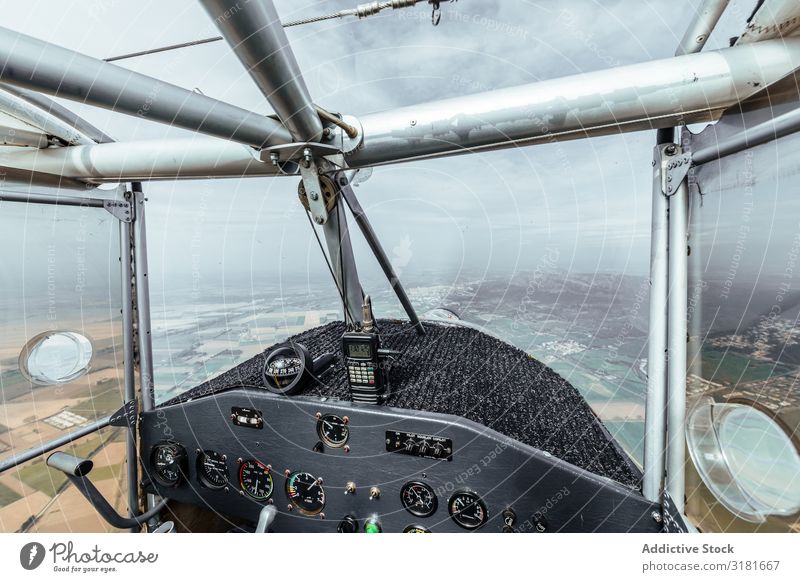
x=490 y=213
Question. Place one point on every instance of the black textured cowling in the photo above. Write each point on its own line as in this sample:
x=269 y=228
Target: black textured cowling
x=464 y=372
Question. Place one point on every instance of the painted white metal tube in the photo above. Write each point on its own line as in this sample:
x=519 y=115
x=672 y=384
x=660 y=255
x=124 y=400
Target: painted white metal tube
x=35 y=64
x=702 y=26
x=655 y=404
x=23 y=110
x=677 y=334
x=255 y=34
x=189 y=158
x=658 y=94
x=663 y=93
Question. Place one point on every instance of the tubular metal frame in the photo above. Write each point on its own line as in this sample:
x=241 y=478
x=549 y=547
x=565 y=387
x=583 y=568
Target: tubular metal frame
x=128 y=281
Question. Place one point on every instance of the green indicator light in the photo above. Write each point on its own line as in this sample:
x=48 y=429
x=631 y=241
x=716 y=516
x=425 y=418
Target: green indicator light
x=372 y=526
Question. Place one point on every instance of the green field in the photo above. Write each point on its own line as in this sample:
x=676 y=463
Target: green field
x=732 y=368
x=49 y=481
x=7 y=496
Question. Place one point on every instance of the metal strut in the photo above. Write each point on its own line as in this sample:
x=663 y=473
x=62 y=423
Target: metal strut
x=363 y=223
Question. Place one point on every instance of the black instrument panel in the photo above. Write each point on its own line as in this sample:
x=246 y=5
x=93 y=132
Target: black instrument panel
x=332 y=466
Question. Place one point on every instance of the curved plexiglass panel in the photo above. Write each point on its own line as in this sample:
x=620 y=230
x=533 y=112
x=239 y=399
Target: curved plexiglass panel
x=746 y=459
x=56 y=357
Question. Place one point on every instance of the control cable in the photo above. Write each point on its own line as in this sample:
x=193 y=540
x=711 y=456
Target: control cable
x=361 y=11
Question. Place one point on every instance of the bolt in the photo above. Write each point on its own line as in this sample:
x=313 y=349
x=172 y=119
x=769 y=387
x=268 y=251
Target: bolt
x=656 y=517
x=413 y=122
x=286 y=472
x=347 y=448
x=319 y=220
x=318 y=415
x=240 y=460
x=274 y=158
x=350 y=488
x=374 y=493
x=671 y=150
x=314 y=196
x=327 y=132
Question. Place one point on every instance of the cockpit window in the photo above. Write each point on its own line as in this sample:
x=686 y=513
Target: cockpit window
x=56 y=357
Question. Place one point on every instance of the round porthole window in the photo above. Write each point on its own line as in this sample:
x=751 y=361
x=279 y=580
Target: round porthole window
x=56 y=357
x=746 y=458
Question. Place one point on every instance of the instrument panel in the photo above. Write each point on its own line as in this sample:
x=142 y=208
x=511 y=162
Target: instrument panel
x=338 y=466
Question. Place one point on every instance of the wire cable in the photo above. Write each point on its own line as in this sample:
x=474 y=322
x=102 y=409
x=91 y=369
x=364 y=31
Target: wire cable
x=347 y=313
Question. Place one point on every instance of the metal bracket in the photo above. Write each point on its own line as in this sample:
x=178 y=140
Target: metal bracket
x=311 y=184
x=675 y=165
x=344 y=142
x=125 y=416
x=119 y=209
x=296 y=152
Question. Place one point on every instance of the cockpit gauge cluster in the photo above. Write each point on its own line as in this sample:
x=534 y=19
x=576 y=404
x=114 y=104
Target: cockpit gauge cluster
x=385 y=470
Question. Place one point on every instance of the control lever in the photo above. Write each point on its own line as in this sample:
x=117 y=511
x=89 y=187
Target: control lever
x=77 y=471
x=265 y=518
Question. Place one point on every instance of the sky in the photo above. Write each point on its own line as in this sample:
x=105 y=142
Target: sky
x=492 y=214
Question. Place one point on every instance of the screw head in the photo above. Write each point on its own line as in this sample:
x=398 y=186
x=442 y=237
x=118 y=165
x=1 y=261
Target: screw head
x=656 y=517
x=314 y=196
x=319 y=220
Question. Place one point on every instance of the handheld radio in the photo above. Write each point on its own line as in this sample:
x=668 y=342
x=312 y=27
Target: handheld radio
x=362 y=361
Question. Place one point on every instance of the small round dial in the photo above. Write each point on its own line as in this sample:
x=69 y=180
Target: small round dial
x=305 y=492
x=333 y=430
x=416 y=529
x=419 y=499
x=212 y=469
x=169 y=464
x=467 y=509
x=255 y=479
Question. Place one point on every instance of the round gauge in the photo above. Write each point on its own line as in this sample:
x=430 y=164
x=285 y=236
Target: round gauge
x=333 y=430
x=305 y=492
x=418 y=499
x=416 y=529
x=212 y=469
x=169 y=464
x=255 y=479
x=468 y=510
